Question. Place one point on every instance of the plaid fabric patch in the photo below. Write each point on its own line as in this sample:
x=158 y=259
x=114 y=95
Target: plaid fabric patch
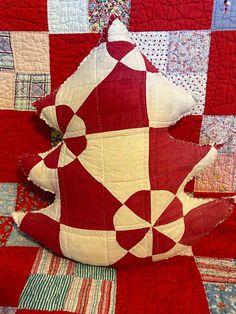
x=6 y=54
x=29 y=88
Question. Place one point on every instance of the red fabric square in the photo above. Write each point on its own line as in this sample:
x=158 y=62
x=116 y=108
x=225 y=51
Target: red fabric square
x=221 y=82
x=66 y=53
x=21 y=132
x=220 y=242
x=15 y=266
x=24 y=15
x=170 y=286
x=170 y=15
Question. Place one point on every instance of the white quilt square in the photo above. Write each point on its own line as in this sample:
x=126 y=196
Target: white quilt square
x=68 y=16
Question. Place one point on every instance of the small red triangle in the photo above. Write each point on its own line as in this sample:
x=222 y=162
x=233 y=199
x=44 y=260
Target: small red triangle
x=51 y=160
x=140 y=204
x=161 y=243
x=173 y=212
x=119 y=49
x=129 y=238
x=76 y=144
x=64 y=115
x=149 y=66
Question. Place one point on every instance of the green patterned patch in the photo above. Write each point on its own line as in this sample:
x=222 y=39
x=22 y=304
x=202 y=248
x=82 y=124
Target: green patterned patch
x=45 y=292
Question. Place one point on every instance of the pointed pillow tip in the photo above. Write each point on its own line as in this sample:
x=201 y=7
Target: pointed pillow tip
x=18 y=217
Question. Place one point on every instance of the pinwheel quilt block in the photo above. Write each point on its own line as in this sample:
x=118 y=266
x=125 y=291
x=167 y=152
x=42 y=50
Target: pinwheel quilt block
x=118 y=176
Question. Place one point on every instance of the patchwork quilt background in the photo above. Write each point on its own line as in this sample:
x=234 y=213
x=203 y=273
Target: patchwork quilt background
x=42 y=42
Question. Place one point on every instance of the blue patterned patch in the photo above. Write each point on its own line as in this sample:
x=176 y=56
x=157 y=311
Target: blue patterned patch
x=7 y=198
x=17 y=238
x=221 y=298
x=224 y=15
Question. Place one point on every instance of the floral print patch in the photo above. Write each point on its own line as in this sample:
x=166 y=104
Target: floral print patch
x=30 y=198
x=6 y=224
x=7 y=310
x=18 y=238
x=219 y=129
x=188 y=51
x=99 y=12
x=221 y=298
x=7 y=198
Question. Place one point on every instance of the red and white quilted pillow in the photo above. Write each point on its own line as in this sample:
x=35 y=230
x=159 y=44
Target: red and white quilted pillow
x=118 y=176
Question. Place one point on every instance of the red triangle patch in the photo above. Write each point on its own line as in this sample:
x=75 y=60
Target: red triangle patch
x=173 y=212
x=64 y=115
x=119 y=49
x=129 y=238
x=161 y=243
x=140 y=204
x=76 y=144
x=51 y=160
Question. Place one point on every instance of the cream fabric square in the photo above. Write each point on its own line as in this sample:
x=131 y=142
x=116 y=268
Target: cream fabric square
x=7 y=90
x=31 y=52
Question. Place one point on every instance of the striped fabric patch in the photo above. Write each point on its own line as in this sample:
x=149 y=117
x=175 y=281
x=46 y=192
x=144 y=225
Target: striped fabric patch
x=217 y=270
x=48 y=263
x=58 y=283
x=90 y=296
x=45 y=292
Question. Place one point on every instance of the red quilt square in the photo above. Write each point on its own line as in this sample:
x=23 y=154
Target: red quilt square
x=15 y=266
x=170 y=15
x=21 y=132
x=170 y=286
x=221 y=82
x=24 y=15
x=66 y=53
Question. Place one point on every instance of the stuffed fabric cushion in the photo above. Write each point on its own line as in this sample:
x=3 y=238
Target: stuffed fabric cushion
x=118 y=176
